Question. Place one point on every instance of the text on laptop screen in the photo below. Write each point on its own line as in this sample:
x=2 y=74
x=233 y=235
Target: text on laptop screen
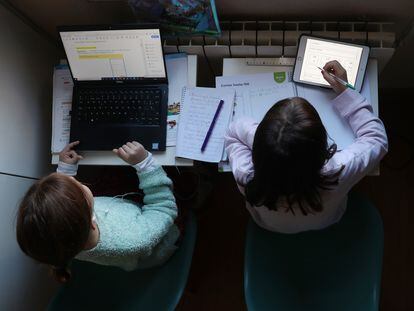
x=114 y=54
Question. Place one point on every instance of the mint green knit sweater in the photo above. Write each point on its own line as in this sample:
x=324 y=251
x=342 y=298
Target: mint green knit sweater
x=133 y=236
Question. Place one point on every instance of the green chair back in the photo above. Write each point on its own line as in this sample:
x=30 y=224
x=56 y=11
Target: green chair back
x=96 y=287
x=338 y=268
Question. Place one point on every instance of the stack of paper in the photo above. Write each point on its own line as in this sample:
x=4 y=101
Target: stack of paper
x=62 y=104
x=198 y=106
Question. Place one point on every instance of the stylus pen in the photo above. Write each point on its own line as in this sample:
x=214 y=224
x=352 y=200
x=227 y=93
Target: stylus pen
x=338 y=79
x=220 y=105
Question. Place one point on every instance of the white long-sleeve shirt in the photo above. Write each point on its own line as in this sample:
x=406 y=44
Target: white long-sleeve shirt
x=358 y=159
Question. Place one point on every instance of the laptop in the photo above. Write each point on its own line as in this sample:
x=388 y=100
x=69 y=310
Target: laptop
x=120 y=91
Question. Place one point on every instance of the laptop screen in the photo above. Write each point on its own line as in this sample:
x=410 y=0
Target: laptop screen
x=128 y=54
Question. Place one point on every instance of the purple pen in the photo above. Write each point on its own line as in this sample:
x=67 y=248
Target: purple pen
x=210 y=129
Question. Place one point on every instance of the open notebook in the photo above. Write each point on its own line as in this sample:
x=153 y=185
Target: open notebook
x=198 y=106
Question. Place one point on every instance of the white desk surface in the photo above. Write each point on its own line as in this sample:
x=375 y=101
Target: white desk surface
x=239 y=66
x=166 y=157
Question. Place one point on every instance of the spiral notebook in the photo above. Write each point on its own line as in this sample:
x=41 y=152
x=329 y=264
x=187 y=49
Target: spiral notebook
x=198 y=106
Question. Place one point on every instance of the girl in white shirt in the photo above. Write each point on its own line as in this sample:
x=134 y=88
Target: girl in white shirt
x=292 y=179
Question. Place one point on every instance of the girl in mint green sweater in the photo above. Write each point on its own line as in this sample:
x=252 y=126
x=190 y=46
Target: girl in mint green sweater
x=59 y=219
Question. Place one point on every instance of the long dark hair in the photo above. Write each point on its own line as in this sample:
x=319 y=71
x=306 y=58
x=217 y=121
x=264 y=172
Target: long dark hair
x=289 y=150
x=53 y=222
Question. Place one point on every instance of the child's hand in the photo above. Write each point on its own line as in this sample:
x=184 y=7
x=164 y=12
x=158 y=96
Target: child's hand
x=69 y=156
x=335 y=68
x=132 y=153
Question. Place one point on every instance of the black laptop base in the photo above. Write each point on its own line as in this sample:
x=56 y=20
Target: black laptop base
x=107 y=121
x=110 y=137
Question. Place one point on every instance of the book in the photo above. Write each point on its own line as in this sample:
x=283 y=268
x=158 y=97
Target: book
x=189 y=17
x=177 y=70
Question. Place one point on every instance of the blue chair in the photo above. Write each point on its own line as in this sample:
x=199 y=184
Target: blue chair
x=338 y=268
x=95 y=287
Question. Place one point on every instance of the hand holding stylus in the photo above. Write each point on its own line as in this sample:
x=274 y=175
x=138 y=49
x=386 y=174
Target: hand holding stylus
x=336 y=76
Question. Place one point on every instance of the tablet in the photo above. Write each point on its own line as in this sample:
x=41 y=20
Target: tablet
x=314 y=52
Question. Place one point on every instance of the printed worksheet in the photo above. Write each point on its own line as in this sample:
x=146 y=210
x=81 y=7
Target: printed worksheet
x=258 y=101
x=62 y=105
x=240 y=83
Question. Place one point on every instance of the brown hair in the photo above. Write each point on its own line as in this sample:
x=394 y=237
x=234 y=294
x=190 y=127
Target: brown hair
x=53 y=222
x=289 y=150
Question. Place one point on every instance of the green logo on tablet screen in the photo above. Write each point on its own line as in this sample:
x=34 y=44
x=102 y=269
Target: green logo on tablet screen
x=279 y=77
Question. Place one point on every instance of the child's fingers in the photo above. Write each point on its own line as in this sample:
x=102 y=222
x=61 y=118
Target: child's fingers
x=332 y=65
x=127 y=149
x=131 y=145
x=137 y=145
x=336 y=68
x=122 y=153
x=70 y=145
x=328 y=78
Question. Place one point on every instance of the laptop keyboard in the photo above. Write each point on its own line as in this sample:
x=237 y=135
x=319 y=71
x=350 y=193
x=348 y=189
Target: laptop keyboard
x=117 y=105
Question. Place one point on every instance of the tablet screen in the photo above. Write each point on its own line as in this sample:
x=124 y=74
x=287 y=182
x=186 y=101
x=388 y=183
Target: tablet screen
x=319 y=52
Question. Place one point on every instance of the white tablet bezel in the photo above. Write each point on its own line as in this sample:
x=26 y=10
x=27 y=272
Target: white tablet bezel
x=301 y=52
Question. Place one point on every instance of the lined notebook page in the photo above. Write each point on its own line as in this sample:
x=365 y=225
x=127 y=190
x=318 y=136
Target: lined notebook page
x=198 y=106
